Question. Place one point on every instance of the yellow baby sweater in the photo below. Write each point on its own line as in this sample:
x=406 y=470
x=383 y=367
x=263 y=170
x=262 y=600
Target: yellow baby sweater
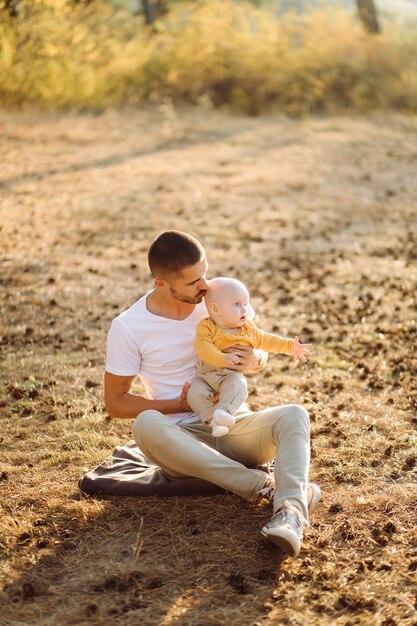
x=211 y=340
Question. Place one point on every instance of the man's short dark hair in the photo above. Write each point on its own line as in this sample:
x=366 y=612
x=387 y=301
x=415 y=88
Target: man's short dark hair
x=172 y=251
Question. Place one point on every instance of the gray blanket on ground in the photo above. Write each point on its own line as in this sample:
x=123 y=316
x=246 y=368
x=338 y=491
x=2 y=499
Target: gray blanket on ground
x=126 y=472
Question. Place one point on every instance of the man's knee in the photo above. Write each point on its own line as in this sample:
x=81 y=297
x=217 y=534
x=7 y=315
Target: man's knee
x=295 y=417
x=299 y=414
x=146 y=425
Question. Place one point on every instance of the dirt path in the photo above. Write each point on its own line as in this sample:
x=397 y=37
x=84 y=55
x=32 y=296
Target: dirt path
x=318 y=217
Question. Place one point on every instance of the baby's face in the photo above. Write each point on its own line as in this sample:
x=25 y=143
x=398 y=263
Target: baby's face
x=233 y=308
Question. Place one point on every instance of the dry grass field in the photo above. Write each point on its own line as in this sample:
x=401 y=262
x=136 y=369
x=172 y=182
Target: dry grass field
x=318 y=217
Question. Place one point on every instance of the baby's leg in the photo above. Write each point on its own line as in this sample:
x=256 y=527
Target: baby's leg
x=233 y=392
x=200 y=399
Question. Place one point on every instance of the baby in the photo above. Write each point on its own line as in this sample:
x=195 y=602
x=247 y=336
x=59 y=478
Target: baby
x=227 y=302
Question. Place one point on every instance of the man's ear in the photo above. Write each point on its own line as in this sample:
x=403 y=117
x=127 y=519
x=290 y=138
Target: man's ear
x=159 y=282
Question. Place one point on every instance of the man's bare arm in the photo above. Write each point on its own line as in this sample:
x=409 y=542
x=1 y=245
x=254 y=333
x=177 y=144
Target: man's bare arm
x=122 y=404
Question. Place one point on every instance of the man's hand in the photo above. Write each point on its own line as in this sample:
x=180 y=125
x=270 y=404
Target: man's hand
x=248 y=361
x=121 y=403
x=300 y=350
x=184 y=406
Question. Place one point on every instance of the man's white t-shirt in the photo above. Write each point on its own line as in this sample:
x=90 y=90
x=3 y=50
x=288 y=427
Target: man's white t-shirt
x=158 y=349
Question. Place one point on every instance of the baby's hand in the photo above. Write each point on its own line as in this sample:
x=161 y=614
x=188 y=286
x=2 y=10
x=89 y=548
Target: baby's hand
x=300 y=350
x=232 y=359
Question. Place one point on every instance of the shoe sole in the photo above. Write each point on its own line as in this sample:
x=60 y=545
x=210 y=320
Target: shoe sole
x=282 y=541
x=314 y=493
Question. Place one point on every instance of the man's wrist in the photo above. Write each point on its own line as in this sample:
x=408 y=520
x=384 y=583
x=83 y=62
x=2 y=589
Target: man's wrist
x=262 y=359
x=176 y=406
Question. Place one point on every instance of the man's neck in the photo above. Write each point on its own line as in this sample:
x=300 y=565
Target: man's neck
x=160 y=304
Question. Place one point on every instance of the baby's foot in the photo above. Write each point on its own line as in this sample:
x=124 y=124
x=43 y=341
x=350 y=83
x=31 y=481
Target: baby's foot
x=223 y=418
x=219 y=431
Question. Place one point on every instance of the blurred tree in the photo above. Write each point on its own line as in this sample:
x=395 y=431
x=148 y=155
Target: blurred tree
x=368 y=15
x=11 y=6
x=152 y=9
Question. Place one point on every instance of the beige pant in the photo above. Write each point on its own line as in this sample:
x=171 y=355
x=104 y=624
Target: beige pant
x=231 y=386
x=280 y=432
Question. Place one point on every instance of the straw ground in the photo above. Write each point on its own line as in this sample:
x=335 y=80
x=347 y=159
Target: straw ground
x=318 y=217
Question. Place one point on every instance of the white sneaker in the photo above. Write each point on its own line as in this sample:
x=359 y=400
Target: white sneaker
x=285 y=530
x=313 y=494
x=313 y=497
x=268 y=490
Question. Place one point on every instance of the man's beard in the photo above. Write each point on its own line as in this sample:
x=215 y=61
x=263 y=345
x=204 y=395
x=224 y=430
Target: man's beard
x=178 y=296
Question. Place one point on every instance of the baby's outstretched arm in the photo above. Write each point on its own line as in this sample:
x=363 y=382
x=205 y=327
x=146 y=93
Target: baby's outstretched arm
x=300 y=350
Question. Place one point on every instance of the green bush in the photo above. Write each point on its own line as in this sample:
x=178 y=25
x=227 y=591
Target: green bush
x=240 y=55
x=60 y=55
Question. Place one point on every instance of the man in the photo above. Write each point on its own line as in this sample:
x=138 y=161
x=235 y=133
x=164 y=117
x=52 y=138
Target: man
x=154 y=338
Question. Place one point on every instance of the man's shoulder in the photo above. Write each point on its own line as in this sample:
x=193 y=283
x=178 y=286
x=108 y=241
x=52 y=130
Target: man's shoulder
x=135 y=310
x=137 y=318
x=130 y=320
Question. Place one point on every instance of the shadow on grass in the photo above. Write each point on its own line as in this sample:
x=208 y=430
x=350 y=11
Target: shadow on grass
x=191 y=560
x=167 y=145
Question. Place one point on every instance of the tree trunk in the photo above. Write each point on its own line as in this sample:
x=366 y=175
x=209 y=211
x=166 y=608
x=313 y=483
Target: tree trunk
x=368 y=16
x=148 y=7
x=11 y=7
